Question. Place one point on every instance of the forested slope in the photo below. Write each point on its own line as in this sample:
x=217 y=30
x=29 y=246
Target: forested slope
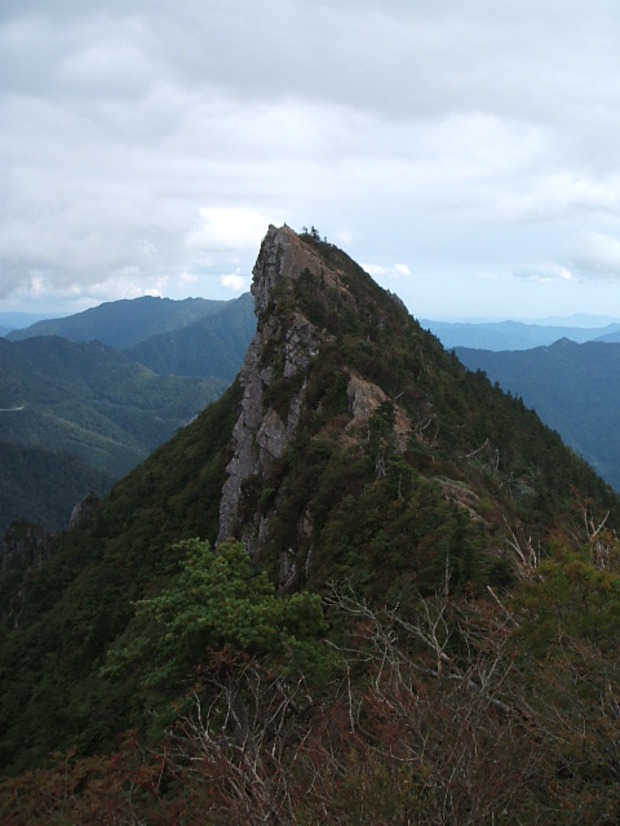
x=424 y=630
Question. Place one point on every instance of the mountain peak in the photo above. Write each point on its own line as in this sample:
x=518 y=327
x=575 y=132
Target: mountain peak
x=262 y=434
x=284 y=255
x=346 y=400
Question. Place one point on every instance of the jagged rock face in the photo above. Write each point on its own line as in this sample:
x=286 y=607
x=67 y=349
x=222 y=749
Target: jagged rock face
x=362 y=449
x=284 y=348
x=83 y=510
x=261 y=437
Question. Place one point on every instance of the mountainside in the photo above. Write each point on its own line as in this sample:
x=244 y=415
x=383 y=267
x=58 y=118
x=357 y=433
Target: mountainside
x=213 y=346
x=17 y=321
x=124 y=323
x=44 y=486
x=343 y=385
x=514 y=335
x=99 y=414
x=363 y=468
x=609 y=338
x=574 y=388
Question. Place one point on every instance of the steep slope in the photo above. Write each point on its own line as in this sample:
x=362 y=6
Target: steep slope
x=574 y=388
x=99 y=415
x=213 y=346
x=43 y=486
x=124 y=323
x=512 y=335
x=353 y=449
x=352 y=416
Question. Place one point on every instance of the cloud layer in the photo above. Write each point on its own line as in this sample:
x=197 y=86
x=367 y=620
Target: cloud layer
x=146 y=147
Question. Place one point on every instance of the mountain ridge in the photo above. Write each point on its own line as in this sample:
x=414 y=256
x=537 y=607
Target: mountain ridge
x=514 y=335
x=574 y=388
x=125 y=322
x=364 y=467
x=100 y=413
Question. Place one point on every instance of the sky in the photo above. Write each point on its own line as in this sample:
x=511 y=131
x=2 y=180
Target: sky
x=465 y=153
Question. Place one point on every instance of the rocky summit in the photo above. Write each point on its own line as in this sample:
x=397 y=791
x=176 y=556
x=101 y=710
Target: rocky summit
x=342 y=390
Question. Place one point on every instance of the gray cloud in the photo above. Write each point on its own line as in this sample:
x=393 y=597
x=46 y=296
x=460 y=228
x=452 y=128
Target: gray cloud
x=144 y=146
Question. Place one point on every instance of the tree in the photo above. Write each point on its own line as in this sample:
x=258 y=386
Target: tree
x=219 y=601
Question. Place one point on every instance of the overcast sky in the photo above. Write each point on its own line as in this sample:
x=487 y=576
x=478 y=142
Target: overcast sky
x=467 y=154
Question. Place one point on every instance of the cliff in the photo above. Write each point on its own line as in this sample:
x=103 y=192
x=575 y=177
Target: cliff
x=342 y=391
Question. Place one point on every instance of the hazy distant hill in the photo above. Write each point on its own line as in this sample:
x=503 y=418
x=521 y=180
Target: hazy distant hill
x=17 y=321
x=86 y=402
x=194 y=337
x=512 y=335
x=575 y=388
x=213 y=346
x=124 y=323
x=610 y=338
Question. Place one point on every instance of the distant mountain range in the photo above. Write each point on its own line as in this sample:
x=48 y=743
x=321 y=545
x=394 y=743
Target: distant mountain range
x=83 y=399
x=81 y=410
x=574 y=388
x=515 y=335
x=124 y=323
x=211 y=346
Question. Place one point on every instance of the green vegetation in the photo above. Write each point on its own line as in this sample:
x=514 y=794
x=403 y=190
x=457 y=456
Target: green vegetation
x=219 y=601
x=43 y=486
x=77 y=417
x=122 y=324
x=426 y=633
x=573 y=388
x=213 y=346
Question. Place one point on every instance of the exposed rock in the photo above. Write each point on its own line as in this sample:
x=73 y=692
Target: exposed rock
x=263 y=432
x=463 y=497
x=261 y=437
x=83 y=510
x=364 y=397
x=301 y=344
x=281 y=256
x=272 y=439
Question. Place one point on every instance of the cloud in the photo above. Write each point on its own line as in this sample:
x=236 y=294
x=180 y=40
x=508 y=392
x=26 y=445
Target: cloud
x=379 y=271
x=235 y=282
x=147 y=147
x=546 y=273
x=227 y=228
x=597 y=254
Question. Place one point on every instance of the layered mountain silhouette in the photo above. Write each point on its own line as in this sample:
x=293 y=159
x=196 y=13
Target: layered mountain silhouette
x=515 y=335
x=77 y=413
x=124 y=323
x=353 y=455
x=575 y=389
x=193 y=337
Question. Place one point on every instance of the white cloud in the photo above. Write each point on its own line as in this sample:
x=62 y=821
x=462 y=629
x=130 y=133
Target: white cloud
x=545 y=273
x=227 y=228
x=597 y=254
x=235 y=282
x=379 y=271
x=148 y=146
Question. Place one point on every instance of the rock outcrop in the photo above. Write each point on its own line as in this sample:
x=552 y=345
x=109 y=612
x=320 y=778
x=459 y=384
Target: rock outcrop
x=261 y=435
x=285 y=346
